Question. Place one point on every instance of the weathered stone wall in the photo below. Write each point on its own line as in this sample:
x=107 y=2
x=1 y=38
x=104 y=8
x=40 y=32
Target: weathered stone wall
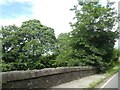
x=44 y=78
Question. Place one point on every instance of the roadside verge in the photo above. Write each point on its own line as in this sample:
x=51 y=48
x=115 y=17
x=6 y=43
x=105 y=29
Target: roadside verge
x=108 y=75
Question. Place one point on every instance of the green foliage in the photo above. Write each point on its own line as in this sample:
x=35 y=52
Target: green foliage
x=115 y=57
x=92 y=40
x=23 y=47
x=65 y=51
x=94 y=34
x=5 y=66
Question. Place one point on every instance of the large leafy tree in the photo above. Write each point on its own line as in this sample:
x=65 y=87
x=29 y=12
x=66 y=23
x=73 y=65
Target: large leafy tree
x=93 y=34
x=25 y=46
x=92 y=40
x=39 y=39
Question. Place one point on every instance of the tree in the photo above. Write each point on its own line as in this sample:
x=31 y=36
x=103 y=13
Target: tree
x=39 y=39
x=64 y=49
x=25 y=46
x=10 y=45
x=93 y=38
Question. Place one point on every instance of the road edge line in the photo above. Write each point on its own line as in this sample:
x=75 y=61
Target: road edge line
x=109 y=80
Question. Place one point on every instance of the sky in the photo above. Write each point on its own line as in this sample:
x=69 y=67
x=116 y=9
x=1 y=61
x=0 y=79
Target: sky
x=52 y=13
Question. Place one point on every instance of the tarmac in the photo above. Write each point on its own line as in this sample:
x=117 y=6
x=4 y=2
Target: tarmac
x=84 y=82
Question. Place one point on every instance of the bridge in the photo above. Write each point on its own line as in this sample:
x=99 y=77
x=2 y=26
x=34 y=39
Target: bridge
x=44 y=78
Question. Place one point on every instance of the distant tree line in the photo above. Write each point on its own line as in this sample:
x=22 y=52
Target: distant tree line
x=91 y=42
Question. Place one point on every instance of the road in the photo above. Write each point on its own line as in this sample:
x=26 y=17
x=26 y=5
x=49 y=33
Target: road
x=112 y=82
x=83 y=82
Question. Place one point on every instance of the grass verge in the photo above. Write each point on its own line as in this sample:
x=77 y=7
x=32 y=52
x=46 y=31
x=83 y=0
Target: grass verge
x=108 y=74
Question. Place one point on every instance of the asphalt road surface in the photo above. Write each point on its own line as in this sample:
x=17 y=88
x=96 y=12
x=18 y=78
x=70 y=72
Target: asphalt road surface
x=112 y=82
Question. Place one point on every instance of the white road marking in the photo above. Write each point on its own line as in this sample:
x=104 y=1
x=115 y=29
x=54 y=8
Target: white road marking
x=109 y=80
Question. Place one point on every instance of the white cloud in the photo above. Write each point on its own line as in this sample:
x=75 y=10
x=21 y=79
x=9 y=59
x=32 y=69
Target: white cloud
x=52 y=13
x=8 y=1
x=17 y=21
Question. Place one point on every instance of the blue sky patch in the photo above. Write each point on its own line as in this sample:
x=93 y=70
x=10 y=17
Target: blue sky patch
x=16 y=9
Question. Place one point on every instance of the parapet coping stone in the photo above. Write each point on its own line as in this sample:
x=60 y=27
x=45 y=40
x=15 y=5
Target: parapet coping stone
x=28 y=74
